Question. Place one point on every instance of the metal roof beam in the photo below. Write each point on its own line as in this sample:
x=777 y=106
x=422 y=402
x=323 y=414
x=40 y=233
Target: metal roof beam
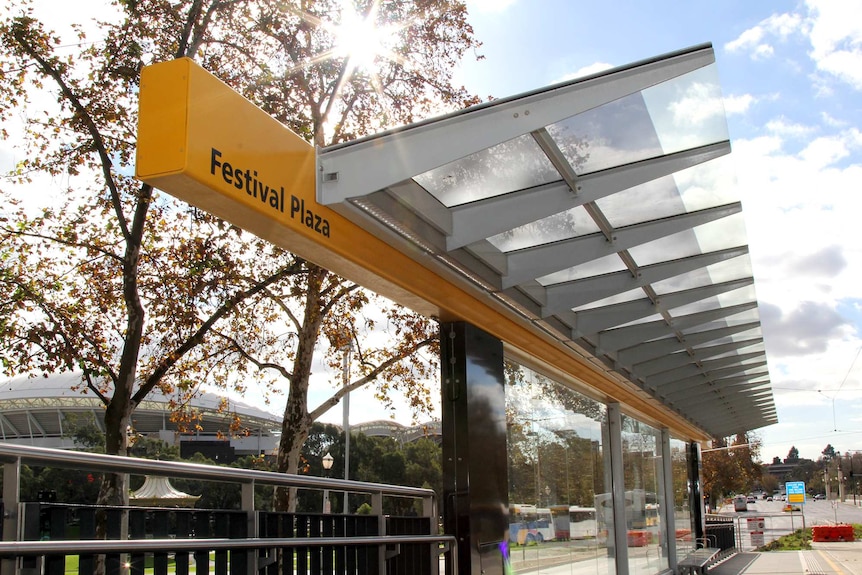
x=591 y=321
x=367 y=165
x=753 y=398
x=567 y=295
x=665 y=363
x=471 y=222
x=652 y=349
x=702 y=368
x=619 y=338
x=750 y=381
x=715 y=378
x=534 y=262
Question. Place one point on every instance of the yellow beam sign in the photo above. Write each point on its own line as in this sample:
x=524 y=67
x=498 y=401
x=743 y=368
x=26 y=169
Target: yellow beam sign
x=196 y=134
x=204 y=143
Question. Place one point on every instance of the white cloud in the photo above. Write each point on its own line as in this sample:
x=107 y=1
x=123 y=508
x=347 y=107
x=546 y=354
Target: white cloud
x=756 y=39
x=783 y=127
x=823 y=152
x=700 y=103
x=836 y=39
x=738 y=104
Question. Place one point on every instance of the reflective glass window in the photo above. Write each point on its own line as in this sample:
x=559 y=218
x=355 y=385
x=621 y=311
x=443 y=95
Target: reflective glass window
x=560 y=506
x=679 y=464
x=643 y=479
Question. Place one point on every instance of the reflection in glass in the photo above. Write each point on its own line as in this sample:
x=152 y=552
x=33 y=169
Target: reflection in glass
x=681 y=503
x=676 y=115
x=507 y=167
x=643 y=479
x=558 y=473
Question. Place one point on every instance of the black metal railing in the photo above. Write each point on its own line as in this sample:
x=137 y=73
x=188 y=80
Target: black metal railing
x=720 y=532
x=43 y=536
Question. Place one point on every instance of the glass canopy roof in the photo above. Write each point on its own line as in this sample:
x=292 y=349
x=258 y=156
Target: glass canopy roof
x=601 y=210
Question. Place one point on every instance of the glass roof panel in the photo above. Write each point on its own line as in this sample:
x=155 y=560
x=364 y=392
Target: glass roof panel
x=601 y=266
x=703 y=186
x=630 y=295
x=724 y=233
x=504 y=168
x=676 y=115
x=721 y=272
x=564 y=225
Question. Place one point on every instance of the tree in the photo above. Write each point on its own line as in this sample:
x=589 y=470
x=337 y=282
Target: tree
x=137 y=291
x=792 y=455
x=729 y=466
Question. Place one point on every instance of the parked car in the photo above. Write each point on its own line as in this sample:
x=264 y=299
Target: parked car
x=819 y=496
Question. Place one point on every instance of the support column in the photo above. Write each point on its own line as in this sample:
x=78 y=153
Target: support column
x=698 y=514
x=668 y=505
x=618 y=488
x=475 y=471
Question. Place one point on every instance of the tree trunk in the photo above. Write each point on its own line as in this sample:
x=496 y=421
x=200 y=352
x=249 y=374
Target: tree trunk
x=297 y=422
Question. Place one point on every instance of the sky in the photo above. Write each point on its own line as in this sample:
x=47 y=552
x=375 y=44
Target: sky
x=791 y=74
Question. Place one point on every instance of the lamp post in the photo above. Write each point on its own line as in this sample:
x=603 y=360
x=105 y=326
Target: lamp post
x=327 y=465
x=345 y=375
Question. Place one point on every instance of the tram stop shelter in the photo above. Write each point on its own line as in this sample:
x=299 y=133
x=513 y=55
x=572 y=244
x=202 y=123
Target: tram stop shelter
x=586 y=230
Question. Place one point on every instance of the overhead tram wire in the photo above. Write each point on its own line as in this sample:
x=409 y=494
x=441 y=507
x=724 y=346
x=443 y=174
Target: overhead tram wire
x=843 y=381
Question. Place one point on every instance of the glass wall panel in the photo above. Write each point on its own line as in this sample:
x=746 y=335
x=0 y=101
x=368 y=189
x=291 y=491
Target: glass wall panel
x=559 y=478
x=679 y=463
x=643 y=479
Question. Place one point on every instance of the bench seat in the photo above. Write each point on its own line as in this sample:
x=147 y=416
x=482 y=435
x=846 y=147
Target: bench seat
x=698 y=561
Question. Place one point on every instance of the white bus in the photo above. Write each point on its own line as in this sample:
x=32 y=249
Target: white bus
x=529 y=524
x=582 y=522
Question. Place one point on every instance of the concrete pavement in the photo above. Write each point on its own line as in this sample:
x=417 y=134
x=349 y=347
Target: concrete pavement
x=822 y=559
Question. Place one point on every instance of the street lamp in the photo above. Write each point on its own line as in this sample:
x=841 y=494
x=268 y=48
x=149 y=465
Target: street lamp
x=327 y=465
x=345 y=376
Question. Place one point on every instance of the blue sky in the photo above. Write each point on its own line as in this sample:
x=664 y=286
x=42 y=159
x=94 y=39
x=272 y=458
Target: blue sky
x=791 y=74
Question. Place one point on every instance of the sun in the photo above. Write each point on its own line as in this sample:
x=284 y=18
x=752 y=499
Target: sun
x=361 y=40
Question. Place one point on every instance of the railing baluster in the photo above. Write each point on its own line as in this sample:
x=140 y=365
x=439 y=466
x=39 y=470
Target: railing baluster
x=221 y=530
x=137 y=530
x=302 y=552
x=86 y=530
x=184 y=530
x=202 y=530
x=161 y=529
x=56 y=564
x=238 y=529
x=328 y=531
x=113 y=530
x=314 y=553
x=340 y=551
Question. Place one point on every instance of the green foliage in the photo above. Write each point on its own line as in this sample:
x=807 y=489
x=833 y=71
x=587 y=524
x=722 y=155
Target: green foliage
x=797 y=541
x=730 y=466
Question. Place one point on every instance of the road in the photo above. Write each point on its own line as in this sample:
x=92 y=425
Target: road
x=777 y=522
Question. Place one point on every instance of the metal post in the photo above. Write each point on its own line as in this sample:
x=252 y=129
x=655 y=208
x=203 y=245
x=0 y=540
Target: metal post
x=345 y=376
x=620 y=533
x=668 y=504
x=11 y=485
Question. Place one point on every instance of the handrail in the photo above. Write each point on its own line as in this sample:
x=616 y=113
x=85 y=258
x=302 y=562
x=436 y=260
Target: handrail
x=114 y=463
x=21 y=548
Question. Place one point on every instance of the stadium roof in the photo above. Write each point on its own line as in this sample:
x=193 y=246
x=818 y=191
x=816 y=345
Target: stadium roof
x=38 y=407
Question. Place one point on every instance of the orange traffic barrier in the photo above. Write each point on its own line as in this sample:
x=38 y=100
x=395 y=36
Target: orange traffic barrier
x=832 y=533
